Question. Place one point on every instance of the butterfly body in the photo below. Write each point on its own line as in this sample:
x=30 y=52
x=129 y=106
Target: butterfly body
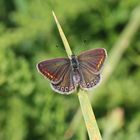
x=67 y=74
x=75 y=70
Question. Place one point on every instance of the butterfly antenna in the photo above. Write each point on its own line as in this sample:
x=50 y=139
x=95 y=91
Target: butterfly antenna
x=84 y=42
x=60 y=47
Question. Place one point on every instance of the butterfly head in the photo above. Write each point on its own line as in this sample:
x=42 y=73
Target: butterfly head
x=74 y=62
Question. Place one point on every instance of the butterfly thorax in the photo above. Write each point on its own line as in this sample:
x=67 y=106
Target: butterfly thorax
x=74 y=62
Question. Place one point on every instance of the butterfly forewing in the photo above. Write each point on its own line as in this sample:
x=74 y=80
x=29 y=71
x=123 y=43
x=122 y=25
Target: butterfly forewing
x=93 y=60
x=66 y=85
x=54 y=69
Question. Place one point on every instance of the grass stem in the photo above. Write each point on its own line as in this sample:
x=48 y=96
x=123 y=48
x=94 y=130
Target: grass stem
x=89 y=118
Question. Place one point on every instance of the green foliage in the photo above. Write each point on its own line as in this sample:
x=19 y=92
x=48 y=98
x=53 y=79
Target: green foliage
x=29 y=109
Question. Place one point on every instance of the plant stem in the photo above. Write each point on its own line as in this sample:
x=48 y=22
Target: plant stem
x=65 y=42
x=89 y=118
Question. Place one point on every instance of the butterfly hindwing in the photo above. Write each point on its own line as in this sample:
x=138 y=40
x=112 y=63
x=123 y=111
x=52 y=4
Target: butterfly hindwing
x=88 y=78
x=66 y=86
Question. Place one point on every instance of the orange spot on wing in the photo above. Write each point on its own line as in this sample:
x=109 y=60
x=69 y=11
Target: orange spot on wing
x=48 y=74
x=100 y=62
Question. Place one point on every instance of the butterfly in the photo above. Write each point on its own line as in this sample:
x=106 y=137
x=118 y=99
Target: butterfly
x=67 y=74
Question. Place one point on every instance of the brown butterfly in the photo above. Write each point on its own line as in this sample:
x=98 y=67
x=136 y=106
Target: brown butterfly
x=66 y=74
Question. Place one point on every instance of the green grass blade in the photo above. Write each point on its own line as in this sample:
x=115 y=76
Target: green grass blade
x=64 y=39
x=89 y=118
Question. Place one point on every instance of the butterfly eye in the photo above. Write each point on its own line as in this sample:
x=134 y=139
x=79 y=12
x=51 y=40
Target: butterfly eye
x=88 y=84
x=95 y=81
x=66 y=88
x=92 y=82
x=58 y=87
x=62 y=88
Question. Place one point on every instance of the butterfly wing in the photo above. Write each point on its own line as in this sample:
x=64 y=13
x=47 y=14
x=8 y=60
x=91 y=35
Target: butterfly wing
x=66 y=85
x=54 y=69
x=93 y=59
x=88 y=78
x=90 y=64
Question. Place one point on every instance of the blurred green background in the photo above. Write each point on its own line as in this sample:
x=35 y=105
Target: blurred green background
x=29 y=109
